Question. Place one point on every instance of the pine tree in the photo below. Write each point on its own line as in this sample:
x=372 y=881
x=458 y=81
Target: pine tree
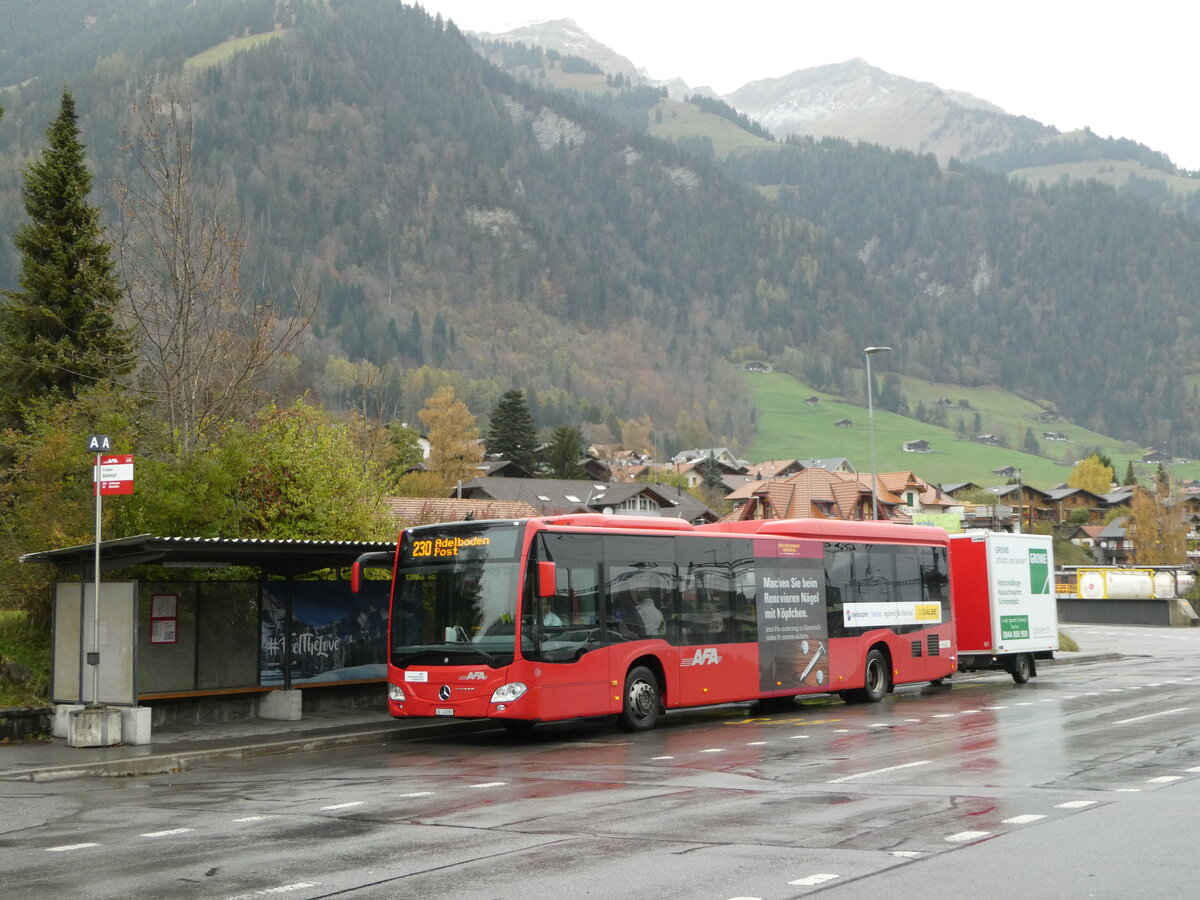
x=1130 y=477
x=511 y=434
x=564 y=452
x=58 y=331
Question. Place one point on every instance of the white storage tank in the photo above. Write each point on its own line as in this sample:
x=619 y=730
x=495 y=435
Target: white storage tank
x=1164 y=585
x=1116 y=584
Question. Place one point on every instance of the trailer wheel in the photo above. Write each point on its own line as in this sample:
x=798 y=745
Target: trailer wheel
x=1022 y=668
x=639 y=709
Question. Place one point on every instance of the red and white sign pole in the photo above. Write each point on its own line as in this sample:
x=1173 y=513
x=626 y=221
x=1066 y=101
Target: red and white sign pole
x=111 y=475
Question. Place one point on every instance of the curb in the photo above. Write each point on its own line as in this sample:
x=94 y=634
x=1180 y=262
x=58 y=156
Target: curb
x=168 y=763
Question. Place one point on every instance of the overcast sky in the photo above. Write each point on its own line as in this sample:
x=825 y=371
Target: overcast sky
x=1126 y=70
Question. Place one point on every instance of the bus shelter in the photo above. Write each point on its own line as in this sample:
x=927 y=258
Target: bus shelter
x=193 y=618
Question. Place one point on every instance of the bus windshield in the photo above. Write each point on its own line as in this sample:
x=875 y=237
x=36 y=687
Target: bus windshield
x=455 y=595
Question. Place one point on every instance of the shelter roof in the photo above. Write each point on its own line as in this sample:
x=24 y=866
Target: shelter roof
x=272 y=557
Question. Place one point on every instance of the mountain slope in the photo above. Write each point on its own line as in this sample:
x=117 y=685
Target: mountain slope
x=467 y=226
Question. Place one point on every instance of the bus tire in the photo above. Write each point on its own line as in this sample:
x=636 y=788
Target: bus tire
x=520 y=727
x=1022 y=668
x=876 y=681
x=641 y=700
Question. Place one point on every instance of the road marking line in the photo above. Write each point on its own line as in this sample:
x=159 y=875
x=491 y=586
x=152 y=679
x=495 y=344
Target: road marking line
x=1128 y=790
x=282 y=889
x=1075 y=804
x=1022 y=820
x=880 y=725
x=714 y=750
x=995 y=707
x=756 y=743
x=1193 y=769
x=653 y=758
x=799 y=737
x=841 y=731
x=1164 y=779
x=1165 y=712
x=167 y=833
x=255 y=818
x=343 y=805
x=418 y=794
x=813 y=879
x=66 y=847
x=906 y=854
x=484 y=784
x=942 y=716
x=967 y=836
x=923 y=762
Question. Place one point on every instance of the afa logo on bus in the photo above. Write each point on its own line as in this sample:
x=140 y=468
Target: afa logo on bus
x=703 y=657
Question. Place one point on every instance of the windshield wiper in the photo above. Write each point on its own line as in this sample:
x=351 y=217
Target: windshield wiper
x=447 y=647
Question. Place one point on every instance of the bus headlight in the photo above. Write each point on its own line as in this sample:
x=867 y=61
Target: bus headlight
x=507 y=693
x=396 y=693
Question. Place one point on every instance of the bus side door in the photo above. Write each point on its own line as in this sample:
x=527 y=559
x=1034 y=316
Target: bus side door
x=571 y=669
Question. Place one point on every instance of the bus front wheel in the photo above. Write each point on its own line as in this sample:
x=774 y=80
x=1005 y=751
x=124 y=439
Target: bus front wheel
x=642 y=696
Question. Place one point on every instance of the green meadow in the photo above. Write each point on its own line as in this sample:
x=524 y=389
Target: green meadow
x=791 y=428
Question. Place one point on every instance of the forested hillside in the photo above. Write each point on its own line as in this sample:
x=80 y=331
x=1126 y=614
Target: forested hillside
x=454 y=218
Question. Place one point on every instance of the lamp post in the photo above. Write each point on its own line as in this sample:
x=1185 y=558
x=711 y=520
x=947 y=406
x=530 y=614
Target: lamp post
x=871 y=351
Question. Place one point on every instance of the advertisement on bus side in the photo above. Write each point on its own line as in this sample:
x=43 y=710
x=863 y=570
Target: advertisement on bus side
x=793 y=631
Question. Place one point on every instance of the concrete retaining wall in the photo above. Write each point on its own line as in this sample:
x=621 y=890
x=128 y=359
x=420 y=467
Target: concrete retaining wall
x=1125 y=612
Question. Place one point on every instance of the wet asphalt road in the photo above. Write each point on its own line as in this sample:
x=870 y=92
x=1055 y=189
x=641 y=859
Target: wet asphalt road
x=1083 y=783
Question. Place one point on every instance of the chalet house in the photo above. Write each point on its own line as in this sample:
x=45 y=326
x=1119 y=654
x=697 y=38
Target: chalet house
x=989 y=439
x=1156 y=456
x=957 y=489
x=406 y=512
x=1006 y=472
x=1083 y=535
x=832 y=463
x=722 y=455
x=916 y=447
x=826 y=494
x=842 y=423
x=552 y=497
x=1064 y=502
x=917 y=495
x=1113 y=546
x=814 y=493
x=1032 y=504
x=1055 y=436
x=773 y=469
x=812 y=401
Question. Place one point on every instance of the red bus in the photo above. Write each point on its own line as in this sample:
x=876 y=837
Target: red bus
x=542 y=619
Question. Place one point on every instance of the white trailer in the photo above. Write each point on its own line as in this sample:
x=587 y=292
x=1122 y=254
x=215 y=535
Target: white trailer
x=1004 y=601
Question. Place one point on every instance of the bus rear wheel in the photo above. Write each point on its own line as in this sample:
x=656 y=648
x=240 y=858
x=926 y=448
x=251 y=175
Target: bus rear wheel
x=642 y=698
x=875 y=681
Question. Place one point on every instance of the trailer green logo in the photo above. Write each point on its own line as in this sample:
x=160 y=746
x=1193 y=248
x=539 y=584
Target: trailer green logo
x=1039 y=572
x=1014 y=628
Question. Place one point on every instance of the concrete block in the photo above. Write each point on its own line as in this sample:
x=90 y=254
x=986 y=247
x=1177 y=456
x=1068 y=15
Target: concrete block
x=282 y=705
x=94 y=726
x=62 y=718
x=135 y=725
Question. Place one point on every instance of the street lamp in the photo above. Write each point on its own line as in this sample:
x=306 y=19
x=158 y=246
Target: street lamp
x=871 y=351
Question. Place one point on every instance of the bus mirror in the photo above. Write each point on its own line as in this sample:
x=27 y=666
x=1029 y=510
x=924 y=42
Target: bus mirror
x=547 y=584
x=355 y=577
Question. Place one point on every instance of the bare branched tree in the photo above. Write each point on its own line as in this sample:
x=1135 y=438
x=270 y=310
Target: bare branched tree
x=207 y=343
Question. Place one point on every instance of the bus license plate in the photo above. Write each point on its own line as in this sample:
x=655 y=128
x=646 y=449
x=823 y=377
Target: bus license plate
x=442 y=711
